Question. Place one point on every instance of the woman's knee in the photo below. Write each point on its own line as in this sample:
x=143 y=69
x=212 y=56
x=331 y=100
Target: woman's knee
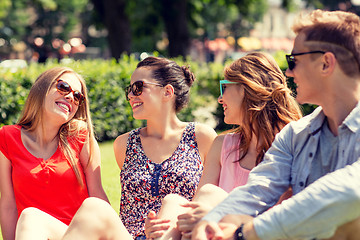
x=94 y=208
x=172 y=206
x=171 y=199
x=30 y=214
x=96 y=219
x=210 y=189
x=36 y=224
x=95 y=204
x=211 y=194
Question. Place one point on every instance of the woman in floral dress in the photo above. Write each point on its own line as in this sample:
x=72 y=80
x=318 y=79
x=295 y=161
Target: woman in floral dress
x=167 y=155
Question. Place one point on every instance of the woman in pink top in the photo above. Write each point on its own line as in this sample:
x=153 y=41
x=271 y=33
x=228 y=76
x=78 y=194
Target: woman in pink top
x=255 y=97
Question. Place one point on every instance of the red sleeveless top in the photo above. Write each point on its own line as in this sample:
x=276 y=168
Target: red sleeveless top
x=50 y=185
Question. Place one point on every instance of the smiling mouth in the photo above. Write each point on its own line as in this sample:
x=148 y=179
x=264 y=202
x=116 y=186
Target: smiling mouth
x=136 y=105
x=64 y=106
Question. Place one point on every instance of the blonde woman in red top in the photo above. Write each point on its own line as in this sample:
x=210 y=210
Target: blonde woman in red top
x=49 y=161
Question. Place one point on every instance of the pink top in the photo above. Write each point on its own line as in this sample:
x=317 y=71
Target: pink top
x=232 y=174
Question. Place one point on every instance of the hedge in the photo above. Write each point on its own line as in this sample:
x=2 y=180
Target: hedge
x=106 y=80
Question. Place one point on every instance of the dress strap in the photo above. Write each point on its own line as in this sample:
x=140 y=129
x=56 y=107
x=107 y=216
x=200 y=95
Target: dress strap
x=189 y=132
x=133 y=142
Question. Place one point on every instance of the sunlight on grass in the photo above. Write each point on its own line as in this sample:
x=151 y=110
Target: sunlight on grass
x=110 y=174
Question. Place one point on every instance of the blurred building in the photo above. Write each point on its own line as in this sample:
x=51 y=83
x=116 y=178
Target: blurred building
x=274 y=31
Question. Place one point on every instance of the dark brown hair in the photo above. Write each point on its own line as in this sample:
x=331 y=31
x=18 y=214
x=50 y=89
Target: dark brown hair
x=165 y=72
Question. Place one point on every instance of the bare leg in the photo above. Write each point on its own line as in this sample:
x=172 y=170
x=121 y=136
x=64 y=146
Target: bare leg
x=36 y=224
x=211 y=195
x=171 y=208
x=348 y=231
x=95 y=220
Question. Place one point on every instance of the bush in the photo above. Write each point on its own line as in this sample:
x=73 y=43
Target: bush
x=13 y=91
x=106 y=80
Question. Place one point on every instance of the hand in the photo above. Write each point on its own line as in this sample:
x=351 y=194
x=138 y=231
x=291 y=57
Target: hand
x=225 y=229
x=154 y=227
x=186 y=222
x=230 y=223
x=206 y=230
x=228 y=226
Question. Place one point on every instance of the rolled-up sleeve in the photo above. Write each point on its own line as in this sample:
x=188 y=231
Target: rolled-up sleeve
x=317 y=211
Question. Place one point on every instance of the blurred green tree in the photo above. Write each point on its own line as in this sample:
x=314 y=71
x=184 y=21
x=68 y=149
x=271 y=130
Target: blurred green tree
x=24 y=20
x=138 y=25
x=13 y=19
x=180 y=20
x=4 y=9
x=113 y=15
x=54 y=18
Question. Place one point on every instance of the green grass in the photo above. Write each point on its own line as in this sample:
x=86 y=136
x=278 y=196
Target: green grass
x=110 y=175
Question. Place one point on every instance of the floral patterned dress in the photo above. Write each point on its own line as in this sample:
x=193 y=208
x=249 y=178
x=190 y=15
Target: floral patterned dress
x=144 y=184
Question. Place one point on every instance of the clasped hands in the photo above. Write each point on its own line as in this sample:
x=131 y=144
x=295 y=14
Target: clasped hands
x=156 y=227
x=223 y=230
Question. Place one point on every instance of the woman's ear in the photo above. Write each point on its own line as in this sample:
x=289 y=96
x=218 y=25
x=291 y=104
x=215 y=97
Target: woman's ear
x=169 y=91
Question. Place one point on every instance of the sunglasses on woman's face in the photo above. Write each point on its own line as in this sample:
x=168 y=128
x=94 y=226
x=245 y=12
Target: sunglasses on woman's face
x=291 y=58
x=223 y=85
x=137 y=88
x=64 y=89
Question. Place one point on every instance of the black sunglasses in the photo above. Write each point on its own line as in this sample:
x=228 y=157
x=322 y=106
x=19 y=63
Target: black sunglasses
x=64 y=89
x=137 y=88
x=291 y=58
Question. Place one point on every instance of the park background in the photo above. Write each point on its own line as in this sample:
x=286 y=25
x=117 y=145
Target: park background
x=103 y=40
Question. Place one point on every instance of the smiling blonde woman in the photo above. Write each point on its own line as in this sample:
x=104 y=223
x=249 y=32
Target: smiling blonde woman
x=49 y=161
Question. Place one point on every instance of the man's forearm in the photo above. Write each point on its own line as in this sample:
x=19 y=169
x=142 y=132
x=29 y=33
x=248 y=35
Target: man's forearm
x=249 y=231
x=317 y=211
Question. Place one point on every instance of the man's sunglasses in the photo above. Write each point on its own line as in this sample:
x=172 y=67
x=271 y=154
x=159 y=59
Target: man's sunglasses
x=137 y=88
x=291 y=58
x=64 y=89
x=222 y=85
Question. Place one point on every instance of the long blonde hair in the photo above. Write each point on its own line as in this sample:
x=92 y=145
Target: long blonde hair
x=267 y=105
x=32 y=115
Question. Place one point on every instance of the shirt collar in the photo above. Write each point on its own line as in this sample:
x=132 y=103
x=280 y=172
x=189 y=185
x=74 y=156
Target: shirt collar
x=316 y=121
x=352 y=121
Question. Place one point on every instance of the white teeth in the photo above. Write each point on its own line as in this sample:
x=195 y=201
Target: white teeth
x=137 y=104
x=64 y=106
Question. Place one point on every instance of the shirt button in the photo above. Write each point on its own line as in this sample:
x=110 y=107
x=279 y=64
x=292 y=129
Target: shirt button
x=310 y=154
x=301 y=184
